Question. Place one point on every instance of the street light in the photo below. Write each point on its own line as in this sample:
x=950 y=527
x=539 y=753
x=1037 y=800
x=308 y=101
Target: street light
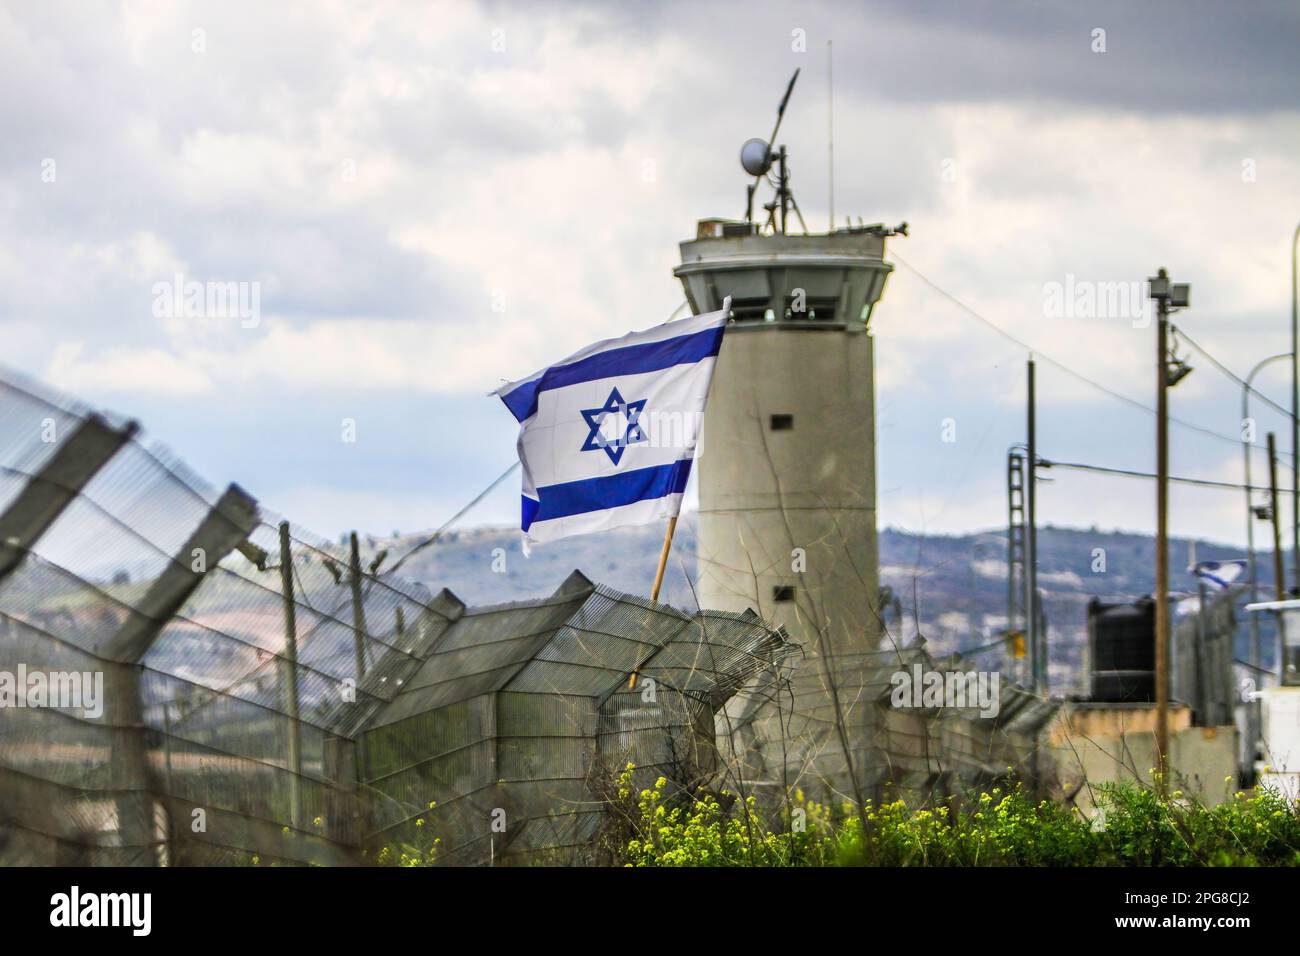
x=1250 y=511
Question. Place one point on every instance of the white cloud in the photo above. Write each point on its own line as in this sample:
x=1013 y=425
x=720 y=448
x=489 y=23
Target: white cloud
x=388 y=179
x=356 y=354
x=148 y=370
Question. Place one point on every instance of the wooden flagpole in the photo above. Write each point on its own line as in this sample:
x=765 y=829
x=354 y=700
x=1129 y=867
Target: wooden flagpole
x=663 y=558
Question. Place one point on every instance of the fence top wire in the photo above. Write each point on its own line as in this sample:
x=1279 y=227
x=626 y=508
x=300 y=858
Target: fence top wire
x=585 y=640
x=776 y=690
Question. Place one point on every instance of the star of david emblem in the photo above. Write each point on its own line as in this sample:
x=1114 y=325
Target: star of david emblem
x=626 y=430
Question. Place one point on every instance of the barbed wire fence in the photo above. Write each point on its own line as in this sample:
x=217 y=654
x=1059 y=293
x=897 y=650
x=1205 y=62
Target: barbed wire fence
x=198 y=682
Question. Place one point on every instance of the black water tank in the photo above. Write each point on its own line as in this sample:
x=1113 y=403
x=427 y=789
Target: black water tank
x=1122 y=645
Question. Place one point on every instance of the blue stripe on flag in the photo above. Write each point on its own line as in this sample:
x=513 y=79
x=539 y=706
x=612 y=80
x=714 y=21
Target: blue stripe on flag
x=629 y=360
x=610 y=491
x=530 y=506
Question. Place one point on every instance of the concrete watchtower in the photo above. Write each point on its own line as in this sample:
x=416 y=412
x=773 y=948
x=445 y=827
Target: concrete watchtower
x=787 y=475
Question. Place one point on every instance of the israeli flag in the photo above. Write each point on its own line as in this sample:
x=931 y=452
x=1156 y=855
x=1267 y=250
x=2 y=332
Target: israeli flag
x=607 y=436
x=1220 y=574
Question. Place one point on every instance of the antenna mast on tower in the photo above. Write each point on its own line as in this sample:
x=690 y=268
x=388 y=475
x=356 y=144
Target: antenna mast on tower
x=756 y=157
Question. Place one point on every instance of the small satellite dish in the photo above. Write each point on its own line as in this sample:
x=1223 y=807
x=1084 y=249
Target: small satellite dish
x=756 y=157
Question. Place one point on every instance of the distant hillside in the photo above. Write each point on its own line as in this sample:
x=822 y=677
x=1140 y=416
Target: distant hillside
x=959 y=581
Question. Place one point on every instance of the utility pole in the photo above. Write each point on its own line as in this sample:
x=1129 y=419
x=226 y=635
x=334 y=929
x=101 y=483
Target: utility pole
x=1279 y=581
x=1160 y=291
x=1038 y=655
x=1166 y=294
x=1201 y=688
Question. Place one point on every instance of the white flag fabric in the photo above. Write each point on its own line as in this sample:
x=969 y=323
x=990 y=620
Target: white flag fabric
x=1220 y=574
x=607 y=436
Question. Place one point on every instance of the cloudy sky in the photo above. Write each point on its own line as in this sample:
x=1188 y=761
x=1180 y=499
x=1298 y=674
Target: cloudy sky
x=430 y=198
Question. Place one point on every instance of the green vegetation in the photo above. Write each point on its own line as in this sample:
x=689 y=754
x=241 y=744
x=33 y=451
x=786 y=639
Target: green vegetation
x=1001 y=828
x=420 y=849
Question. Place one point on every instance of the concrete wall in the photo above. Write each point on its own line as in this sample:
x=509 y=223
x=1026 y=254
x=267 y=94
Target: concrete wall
x=1280 y=768
x=1095 y=744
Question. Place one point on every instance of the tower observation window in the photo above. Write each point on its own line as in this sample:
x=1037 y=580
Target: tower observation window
x=813 y=310
x=749 y=310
